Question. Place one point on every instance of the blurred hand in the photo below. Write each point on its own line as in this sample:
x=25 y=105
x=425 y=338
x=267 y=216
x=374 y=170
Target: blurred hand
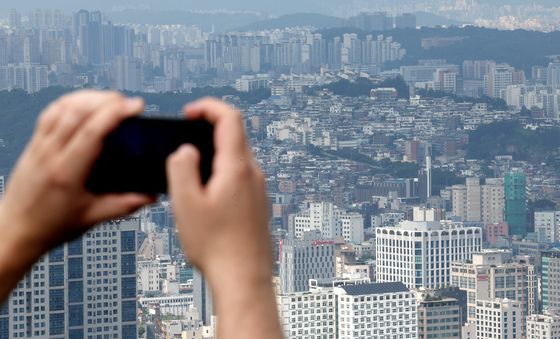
x=223 y=226
x=46 y=202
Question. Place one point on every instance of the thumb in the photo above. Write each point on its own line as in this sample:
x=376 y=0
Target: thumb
x=183 y=175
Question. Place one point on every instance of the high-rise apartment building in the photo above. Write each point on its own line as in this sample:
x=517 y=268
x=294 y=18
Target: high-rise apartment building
x=498 y=79
x=516 y=202
x=550 y=284
x=475 y=202
x=84 y=289
x=420 y=254
x=495 y=274
x=381 y=310
x=311 y=257
x=547 y=226
x=499 y=318
x=553 y=75
x=543 y=326
x=438 y=317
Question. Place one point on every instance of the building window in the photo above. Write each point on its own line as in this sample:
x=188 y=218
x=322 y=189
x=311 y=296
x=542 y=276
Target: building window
x=56 y=275
x=56 y=300
x=76 y=315
x=129 y=310
x=128 y=241
x=75 y=268
x=75 y=291
x=56 y=324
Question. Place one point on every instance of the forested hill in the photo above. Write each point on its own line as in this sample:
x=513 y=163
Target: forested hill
x=510 y=138
x=520 y=48
x=19 y=111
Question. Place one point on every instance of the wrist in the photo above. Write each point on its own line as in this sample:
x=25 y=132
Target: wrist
x=16 y=238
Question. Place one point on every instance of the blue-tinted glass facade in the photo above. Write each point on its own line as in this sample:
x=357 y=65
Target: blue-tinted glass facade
x=76 y=315
x=128 y=287
x=129 y=332
x=56 y=300
x=4 y=328
x=76 y=334
x=129 y=310
x=75 y=268
x=75 y=247
x=128 y=241
x=57 y=255
x=56 y=323
x=128 y=264
x=56 y=275
x=75 y=291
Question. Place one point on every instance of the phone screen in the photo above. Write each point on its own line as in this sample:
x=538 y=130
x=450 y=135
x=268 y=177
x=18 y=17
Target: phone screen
x=135 y=154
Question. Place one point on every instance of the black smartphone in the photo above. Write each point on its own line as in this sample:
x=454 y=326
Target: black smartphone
x=134 y=155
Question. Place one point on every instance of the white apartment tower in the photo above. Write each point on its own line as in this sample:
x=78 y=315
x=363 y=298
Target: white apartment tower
x=499 y=318
x=547 y=226
x=84 y=289
x=543 y=326
x=380 y=310
x=420 y=254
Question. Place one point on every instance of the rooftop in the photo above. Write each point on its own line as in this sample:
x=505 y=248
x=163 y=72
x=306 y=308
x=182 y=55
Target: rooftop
x=376 y=288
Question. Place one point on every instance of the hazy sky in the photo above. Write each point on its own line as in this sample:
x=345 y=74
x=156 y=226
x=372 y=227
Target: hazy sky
x=274 y=7
x=281 y=7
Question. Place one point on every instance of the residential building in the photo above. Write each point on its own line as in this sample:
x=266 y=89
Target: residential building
x=547 y=226
x=499 y=318
x=377 y=310
x=550 y=282
x=543 y=326
x=84 y=288
x=516 y=203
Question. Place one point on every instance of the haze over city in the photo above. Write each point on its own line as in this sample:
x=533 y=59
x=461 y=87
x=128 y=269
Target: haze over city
x=410 y=153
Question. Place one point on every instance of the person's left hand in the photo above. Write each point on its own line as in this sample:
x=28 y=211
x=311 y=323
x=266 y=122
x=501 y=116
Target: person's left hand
x=46 y=202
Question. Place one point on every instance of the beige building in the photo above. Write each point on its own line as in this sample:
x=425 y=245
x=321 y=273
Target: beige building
x=438 y=317
x=476 y=202
x=495 y=274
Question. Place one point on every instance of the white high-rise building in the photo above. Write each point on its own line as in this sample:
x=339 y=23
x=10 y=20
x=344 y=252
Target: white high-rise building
x=420 y=254
x=308 y=314
x=547 y=226
x=499 y=318
x=86 y=288
x=380 y=310
x=312 y=257
x=330 y=220
x=543 y=326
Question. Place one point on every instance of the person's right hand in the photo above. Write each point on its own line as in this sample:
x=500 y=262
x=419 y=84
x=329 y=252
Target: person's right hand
x=223 y=226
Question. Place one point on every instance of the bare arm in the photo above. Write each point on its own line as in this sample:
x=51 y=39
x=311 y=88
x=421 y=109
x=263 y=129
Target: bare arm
x=46 y=203
x=224 y=226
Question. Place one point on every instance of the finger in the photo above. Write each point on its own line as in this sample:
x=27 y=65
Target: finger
x=79 y=107
x=82 y=100
x=183 y=175
x=84 y=148
x=116 y=205
x=229 y=134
